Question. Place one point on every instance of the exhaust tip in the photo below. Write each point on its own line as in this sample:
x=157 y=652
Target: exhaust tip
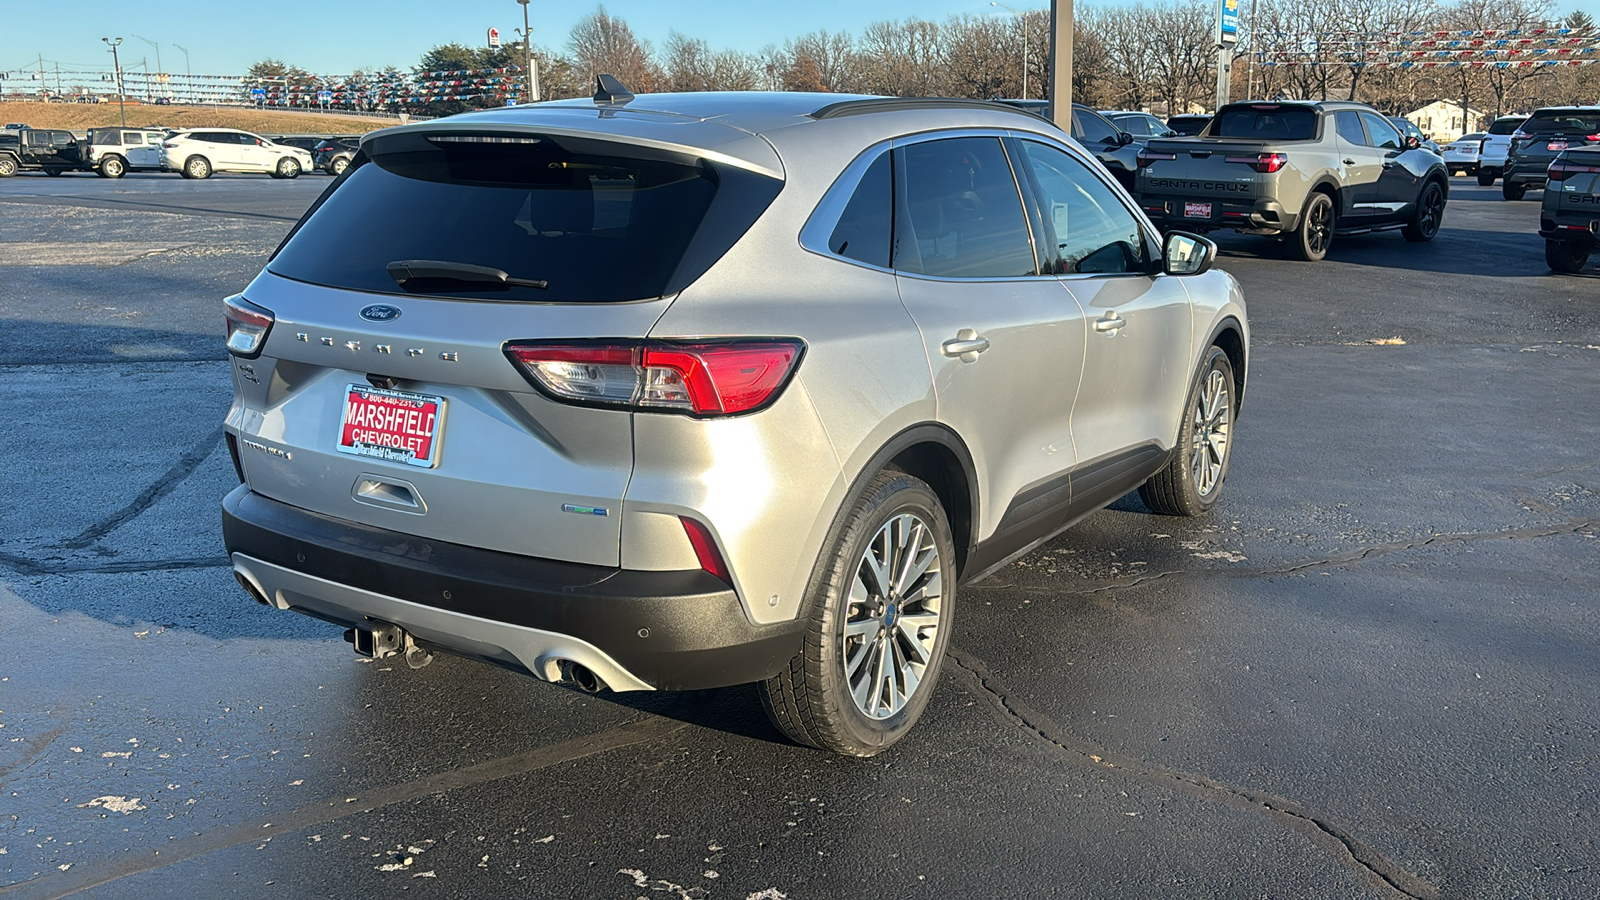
x=250 y=588
x=580 y=677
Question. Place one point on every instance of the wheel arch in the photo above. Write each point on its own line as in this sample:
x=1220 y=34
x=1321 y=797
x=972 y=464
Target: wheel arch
x=1228 y=334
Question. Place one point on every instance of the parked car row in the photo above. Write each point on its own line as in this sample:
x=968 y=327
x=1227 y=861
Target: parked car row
x=194 y=153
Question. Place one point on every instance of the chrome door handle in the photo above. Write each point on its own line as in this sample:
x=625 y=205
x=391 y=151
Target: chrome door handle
x=1349 y=162
x=966 y=345
x=1109 y=323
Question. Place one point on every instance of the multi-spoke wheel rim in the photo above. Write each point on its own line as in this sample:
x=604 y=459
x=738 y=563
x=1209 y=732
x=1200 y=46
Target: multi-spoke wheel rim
x=1317 y=232
x=1432 y=210
x=1213 y=422
x=892 y=616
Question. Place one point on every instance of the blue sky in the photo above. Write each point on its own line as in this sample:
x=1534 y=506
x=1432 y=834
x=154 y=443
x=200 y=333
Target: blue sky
x=334 y=38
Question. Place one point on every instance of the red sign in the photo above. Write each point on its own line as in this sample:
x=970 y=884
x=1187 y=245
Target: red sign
x=393 y=425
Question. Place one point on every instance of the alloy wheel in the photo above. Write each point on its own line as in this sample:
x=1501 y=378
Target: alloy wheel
x=1213 y=425
x=892 y=616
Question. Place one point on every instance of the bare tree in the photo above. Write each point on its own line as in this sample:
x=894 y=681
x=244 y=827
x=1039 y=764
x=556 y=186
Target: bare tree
x=832 y=55
x=601 y=42
x=902 y=59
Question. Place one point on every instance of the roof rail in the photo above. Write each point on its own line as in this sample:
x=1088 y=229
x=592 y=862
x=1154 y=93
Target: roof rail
x=893 y=104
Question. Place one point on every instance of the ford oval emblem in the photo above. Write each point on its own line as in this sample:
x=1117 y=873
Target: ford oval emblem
x=380 y=312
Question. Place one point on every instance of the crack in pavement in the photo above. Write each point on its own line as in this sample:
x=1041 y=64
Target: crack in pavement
x=1368 y=861
x=85 y=877
x=32 y=747
x=1586 y=526
x=22 y=565
x=168 y=482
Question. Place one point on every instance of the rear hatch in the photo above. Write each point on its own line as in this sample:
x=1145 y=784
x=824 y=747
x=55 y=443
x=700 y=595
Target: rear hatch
x=1572 y=200
x=1548 y=132
x=384 y=393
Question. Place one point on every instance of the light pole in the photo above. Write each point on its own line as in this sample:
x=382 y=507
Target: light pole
x=116 y=66
x=157 y=47
x=188 y=76
x=1022 y=17
x=530 y=73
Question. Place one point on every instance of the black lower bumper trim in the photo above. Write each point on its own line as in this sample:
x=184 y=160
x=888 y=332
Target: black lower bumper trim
x=680 y=630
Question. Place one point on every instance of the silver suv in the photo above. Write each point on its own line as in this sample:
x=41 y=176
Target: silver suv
x=685 y=391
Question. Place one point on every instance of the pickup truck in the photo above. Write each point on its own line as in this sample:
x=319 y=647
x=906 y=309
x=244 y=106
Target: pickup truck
x=1570 y=215
x=49 y=150
x=1301 y=171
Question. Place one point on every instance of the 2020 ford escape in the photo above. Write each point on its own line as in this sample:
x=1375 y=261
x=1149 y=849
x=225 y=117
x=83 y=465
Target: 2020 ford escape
x=685 y=391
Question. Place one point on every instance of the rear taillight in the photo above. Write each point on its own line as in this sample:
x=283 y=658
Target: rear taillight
x=1262 y=162
x=1146 y=157
x=1561 y=169
x=702 y=378
x=170 y=144
x=248 y=325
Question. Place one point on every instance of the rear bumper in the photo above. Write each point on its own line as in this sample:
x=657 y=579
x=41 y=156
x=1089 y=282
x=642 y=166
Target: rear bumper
x=1569 y=226
x=637 y=630
x=1528 y=174
x=1168 y=213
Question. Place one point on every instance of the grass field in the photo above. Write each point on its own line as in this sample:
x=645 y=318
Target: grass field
x=81 y=116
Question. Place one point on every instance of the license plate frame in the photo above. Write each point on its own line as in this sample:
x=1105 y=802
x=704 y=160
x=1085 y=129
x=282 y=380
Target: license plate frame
x=399 y=437
x=1196 y=210
x=1556 y=145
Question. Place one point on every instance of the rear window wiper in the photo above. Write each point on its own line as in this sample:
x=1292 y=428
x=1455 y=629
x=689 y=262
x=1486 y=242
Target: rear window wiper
x=404 y=270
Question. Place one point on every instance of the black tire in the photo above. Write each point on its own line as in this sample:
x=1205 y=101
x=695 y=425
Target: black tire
x=197 y=167
x=288 y=168
x=8 y=166
x=337 y=167
x=1485 y=177
x=112 y=167
x=1428 y=215
x=1513 y=191
x=1567 y=257
x=1312 y=237
x=1205 y=438
x=811 y=699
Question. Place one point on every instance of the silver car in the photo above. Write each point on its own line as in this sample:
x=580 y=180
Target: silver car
x=691 y=390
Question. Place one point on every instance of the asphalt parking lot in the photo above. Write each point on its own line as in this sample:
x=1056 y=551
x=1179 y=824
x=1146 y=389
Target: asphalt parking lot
x=1372 y=672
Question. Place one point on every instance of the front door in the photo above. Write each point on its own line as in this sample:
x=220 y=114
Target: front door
x=1004 y=342
x=1397 y=186
x=1136 y=358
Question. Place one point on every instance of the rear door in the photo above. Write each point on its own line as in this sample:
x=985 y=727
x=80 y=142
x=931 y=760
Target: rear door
x=1136 y=358
x=144 y=149
x=1003 y=340
x=1363 y=164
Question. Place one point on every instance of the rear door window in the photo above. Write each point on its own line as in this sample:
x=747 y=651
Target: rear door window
x=957 y=211
x=592 y=227
x=1267 y=122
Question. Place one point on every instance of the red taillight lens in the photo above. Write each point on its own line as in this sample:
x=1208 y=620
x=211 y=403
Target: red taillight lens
x=1561 y=169
x=170 y=144
x=1146 y=157
x=721 y=378
x=248 y=325
x=705 y=548
x=1262 y=162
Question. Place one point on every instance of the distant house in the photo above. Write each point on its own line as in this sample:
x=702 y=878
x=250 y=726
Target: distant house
x=1442 y=120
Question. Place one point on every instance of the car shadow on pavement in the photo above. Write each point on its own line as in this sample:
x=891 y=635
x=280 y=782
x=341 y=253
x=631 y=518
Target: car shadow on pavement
x=1489 y=254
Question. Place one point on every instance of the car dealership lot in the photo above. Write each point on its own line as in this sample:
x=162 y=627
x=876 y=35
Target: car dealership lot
x=1371 y=672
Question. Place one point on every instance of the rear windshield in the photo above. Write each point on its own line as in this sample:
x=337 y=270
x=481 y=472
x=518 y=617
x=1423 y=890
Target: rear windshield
x=1563 y=121
x=1266 y=121
x=592 y=227
x=1505 y=126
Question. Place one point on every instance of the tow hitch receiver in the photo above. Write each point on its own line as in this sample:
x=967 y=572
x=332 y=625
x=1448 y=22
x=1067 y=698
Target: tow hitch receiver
x=380 y=641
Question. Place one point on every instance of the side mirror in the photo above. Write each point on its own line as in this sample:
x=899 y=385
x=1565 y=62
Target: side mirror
x=1183 y=253
x=1124 y=139
x=1413 y=142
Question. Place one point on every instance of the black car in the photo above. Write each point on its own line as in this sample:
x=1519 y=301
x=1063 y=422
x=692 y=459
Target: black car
x=1186 y=125
x=333 y=155
x=1570 y=216
x=1141 y=125
x=50 y=150
x=1544 y=136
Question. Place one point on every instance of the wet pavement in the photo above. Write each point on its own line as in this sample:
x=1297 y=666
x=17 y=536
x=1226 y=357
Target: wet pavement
x=1371 y=672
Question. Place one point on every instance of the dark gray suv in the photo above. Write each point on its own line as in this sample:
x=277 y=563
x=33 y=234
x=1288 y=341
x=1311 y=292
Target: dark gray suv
x=691 y=390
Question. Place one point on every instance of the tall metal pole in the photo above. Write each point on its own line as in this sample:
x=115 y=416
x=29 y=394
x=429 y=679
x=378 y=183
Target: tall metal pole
x=188 y=76
x=116 y=66
x=1250 y=66
x=1061 y=63
x=159 y=70
x=529 y=71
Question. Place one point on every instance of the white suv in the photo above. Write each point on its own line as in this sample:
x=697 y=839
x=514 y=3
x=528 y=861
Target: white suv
x=198 y=153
